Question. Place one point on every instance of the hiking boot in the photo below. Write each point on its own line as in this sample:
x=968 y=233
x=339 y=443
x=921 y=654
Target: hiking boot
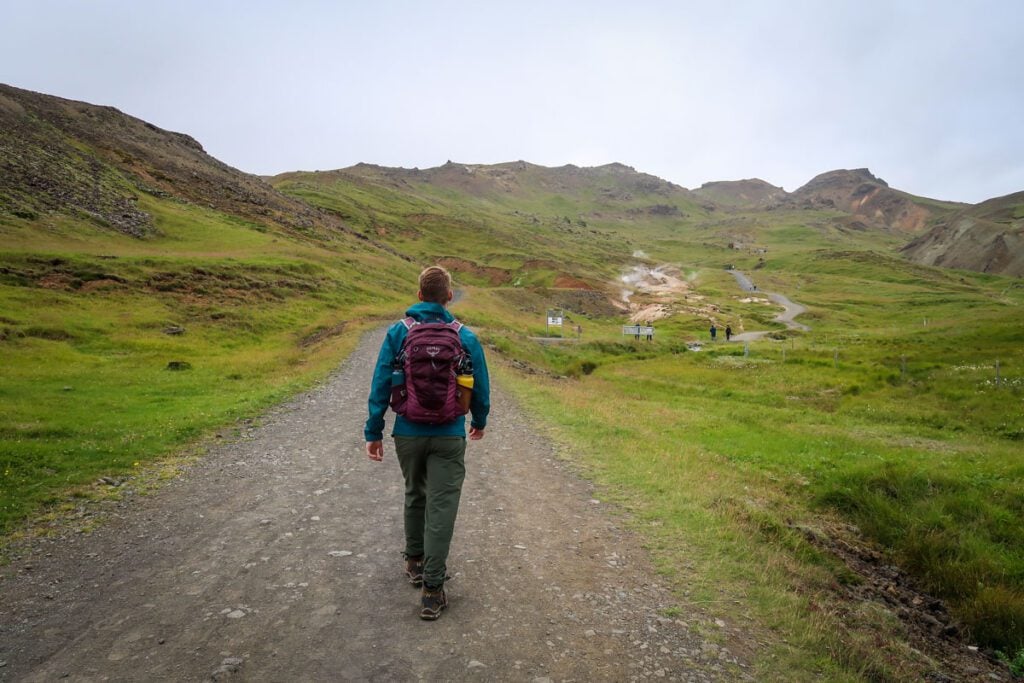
x=414 y=570
x=432 y=601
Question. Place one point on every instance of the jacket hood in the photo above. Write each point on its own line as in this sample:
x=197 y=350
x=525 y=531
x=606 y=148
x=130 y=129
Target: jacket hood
x=428 y=310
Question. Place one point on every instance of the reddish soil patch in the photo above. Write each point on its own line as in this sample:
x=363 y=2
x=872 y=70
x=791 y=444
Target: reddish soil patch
x=569 y=282
x=56 y=281
x=495 y=276
x=93 y=285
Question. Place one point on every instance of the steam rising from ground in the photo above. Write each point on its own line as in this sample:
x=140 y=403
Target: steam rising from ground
x=660 y=286
x=664 y=280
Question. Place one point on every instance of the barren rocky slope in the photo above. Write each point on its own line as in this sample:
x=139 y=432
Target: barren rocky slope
x=96 y=162
x=987 y=237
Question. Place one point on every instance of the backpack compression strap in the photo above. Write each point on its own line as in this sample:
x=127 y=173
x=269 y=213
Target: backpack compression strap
x=410 y=321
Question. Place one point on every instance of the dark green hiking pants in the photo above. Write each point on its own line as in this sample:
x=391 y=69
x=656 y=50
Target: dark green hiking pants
x=433 y=467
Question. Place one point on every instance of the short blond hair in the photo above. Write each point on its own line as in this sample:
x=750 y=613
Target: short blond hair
x=435 y=284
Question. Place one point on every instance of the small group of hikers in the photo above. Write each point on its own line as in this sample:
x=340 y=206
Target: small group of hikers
x=714 y=332
x=431 y=372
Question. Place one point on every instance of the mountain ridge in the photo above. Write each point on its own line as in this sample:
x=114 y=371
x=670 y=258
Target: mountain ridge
x=97 y=162
x=79 y=158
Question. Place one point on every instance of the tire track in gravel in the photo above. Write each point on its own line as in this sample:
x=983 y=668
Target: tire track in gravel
x=276 y=557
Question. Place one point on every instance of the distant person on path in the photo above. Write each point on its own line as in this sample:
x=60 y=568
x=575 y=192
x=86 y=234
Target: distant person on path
x=714 y=332
x=728 y=332
x=430 y=453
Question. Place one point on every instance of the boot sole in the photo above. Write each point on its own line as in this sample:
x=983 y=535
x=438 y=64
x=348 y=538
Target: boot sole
x=431 y=615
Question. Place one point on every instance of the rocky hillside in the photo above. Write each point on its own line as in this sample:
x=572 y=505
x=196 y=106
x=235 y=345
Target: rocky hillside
x=95 y=162
x=986 y=237
x=753 y=193
x=869 y=201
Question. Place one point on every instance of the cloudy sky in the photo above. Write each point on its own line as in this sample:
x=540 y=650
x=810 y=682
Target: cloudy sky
x=928 y=94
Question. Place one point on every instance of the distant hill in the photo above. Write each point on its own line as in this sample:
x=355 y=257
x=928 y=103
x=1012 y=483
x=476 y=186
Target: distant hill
x=753 y=193
x=92 y=161
x=507 y=223
x=614 y=187
x=987 y=237
x=522 y=177
x=870 y=201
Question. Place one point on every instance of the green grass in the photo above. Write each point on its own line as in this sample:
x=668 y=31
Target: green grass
x=85 y=385
x=726 y=461
x=926 y=464
x=723 y=451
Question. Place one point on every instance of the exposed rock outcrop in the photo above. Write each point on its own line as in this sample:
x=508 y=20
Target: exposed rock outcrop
x=986 y=237
x=870 y=200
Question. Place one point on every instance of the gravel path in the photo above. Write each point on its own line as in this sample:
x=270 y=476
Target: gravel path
x=790 y=309
x=276 y=557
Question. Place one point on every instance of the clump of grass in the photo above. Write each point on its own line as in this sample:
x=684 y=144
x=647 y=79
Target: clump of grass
x=1014 y=663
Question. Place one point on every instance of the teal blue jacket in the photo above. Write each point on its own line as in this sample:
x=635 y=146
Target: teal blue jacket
x=380 y=389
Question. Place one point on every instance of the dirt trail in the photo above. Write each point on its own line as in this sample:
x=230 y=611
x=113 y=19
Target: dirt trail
x=276 y=557
x=790 y=310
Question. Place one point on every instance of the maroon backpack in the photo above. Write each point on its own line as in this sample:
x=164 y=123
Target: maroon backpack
x=430 y=358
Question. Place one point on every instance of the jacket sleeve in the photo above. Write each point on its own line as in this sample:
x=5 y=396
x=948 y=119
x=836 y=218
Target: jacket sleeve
x=480 y=403
x=380 y=387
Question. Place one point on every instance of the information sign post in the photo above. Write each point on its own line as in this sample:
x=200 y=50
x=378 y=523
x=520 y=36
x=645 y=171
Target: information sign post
x=555 y=318
x=638 y=330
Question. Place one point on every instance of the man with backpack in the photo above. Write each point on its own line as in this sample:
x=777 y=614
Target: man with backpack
x=427 y=364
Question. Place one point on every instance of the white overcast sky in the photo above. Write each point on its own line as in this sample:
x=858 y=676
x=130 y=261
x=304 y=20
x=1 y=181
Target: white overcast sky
x=928 y=94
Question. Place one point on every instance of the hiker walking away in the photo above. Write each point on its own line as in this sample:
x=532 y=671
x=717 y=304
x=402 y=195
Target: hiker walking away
x=728 y=332
x=714 y=332
x=426 y=363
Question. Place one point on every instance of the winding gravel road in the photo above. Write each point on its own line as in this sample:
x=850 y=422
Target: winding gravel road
x=790 y=310
x=275 y=557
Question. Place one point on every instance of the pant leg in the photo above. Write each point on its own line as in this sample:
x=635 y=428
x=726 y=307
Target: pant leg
x=412 y=458
x=446 y=469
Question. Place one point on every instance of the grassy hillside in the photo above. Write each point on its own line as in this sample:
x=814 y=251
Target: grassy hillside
x=512 y=224
x=886 y=415
x=762 y=476
x=126 y=252
x=90 y=323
